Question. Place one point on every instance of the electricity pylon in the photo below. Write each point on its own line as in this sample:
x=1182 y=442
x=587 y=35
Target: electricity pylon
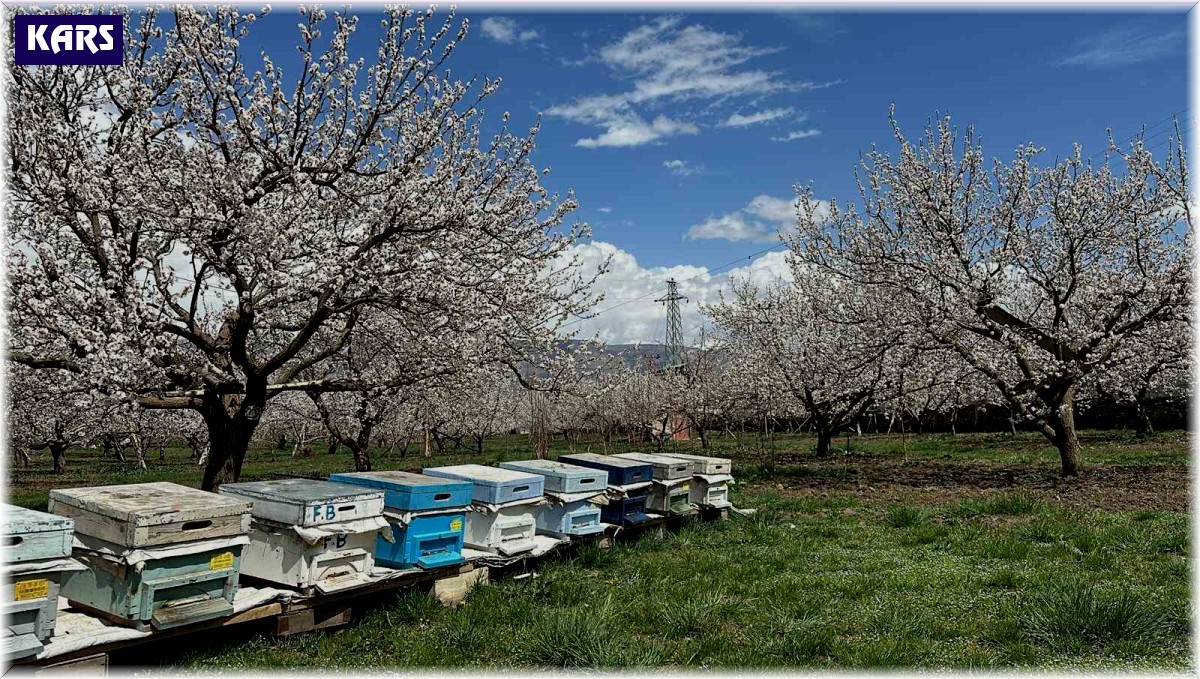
x=675 y=355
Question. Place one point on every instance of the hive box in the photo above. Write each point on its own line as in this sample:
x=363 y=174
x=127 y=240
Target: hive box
x=561 y=477
x=426 y=514
x=664 y=468
x=36 y=559
x=493 y=486
x=710 y=490
x=702 y=464
x=156 y=554
x=569 y=518
x=672 y=499
x=621 y=471
x=310 y=534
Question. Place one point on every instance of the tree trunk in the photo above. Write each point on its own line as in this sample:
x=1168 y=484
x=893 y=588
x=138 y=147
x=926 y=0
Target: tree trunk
x=58 y=450
x=1064 y=437
x=333 y=446
x=362 y=459
x=824 y=441
x=1141 y=420
x=228 y=438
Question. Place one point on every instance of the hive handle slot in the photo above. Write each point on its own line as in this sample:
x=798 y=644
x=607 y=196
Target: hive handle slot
x=12 y=541
x=439 y=497
x=583 y=481
x=345 y=508
x=520 y=489
x=197 y=525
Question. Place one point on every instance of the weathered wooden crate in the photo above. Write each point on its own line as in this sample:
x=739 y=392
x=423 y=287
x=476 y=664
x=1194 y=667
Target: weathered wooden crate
x=159 y=587
x=493 y=485
x=156 y=554
x=307 y=502
x=508 y=530
x=665 y=468
x=621 y=471
x=569 y=518
x=36 y=558
x=408 y=492
x=703 y=464
x=147 y=514
x=426 y=513
x=674 y=499
x=561 y=477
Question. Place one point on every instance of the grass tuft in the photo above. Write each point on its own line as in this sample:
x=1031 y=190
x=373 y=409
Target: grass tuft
x=1071 y=613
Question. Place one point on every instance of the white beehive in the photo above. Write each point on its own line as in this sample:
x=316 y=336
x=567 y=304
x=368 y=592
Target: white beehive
x=703 y=464
x=311 y=534
x=36 y=554
x=666 y=468
x=508 y=530
x=710 y=490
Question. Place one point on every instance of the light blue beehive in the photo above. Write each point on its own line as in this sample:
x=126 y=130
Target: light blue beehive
x=561 y=477
x=36 y=549
x=492 y=485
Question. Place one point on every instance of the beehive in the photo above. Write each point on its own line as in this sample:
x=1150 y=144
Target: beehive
x=156 y=554
x=621 y=471
x=710 y=490
x=671 y=499
x=310 y=534
x=561 y=477
x=664 y=468
x=703 y=464
x=569 y=518
x=36 y=559
x=427 y=516
x=492 y=485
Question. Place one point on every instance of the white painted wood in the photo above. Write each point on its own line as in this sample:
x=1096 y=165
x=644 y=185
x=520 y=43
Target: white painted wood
x=276 y=553
x=508 y=531
x=562 y=477
x=703 y=464
x=666 y=468
x=708 y=494
x=307 y=502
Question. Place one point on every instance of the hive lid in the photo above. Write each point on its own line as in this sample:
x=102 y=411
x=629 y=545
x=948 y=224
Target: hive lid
x=479 y=472
x=23 y=521
x=609 y=460
x=548 y=466
x=144 y=504
x=651 y=458
x=298 y=490
x=391 y=479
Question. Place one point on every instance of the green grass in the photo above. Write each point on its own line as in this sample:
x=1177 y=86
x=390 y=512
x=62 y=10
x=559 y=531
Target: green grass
x=832 y=584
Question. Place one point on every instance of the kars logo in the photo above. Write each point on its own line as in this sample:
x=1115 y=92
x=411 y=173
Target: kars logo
x=69 y=39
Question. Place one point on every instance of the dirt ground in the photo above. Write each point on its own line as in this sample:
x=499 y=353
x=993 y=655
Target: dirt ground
x=878 y=479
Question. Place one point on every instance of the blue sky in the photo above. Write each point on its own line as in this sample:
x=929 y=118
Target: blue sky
x=682 y=134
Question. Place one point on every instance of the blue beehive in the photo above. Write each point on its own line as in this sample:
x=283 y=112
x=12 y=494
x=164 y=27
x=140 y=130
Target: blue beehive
x=36 y=559
x=625 y=510
x=492 y=485
x=621 y=471
x=432 y=536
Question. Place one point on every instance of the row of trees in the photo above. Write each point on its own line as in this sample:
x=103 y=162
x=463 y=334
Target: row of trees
x=203 y=249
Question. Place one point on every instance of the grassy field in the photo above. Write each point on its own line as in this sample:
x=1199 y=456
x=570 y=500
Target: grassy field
x=932 y=552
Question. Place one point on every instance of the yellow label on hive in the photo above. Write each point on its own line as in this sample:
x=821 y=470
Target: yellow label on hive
x=222 y=560
x=31 y=589
x=456 y=525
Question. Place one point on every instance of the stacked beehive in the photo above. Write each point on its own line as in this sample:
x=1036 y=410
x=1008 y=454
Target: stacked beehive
x=669 y=492
x=628 y=486
x=426 y=515
x=37 y=558
x=502 y=507
x=571 y=492
x=311 y=535
x=156 y=554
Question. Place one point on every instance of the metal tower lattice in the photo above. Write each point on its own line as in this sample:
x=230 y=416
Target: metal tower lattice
x=675 y=355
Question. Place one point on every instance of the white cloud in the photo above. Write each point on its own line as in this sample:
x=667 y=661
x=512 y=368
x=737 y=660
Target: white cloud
x=605 y=210
x=739 y=120
x=1126 y=45
x=798 y=134
x=682 y=167
x=763 y=218
x=632 y=130
x=505 y=30
x=644 y=320
x=667 y=61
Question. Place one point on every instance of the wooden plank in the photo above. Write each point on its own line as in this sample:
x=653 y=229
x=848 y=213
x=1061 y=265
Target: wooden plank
x=310 y=619
x=94 y=665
